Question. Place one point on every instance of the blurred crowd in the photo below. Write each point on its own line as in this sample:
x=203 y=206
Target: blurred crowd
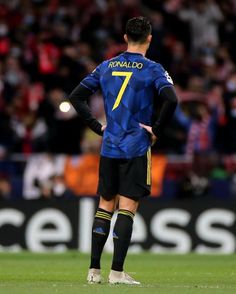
x=48 y=46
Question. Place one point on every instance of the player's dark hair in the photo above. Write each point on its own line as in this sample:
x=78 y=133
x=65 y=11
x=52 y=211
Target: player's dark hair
x=138 y=29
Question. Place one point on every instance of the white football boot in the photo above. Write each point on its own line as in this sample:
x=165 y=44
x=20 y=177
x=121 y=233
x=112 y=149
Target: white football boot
x=94 y=276
x=116 y=277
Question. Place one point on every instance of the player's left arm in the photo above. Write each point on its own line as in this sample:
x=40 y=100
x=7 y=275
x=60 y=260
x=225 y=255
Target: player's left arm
x=166 y=91
x=166 y=113
x=79 y=97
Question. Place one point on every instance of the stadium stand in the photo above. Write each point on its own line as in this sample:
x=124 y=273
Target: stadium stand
x=48 y=46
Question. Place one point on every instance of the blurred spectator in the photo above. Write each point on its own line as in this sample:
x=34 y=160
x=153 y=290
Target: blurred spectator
x=195 y=182
x=159 y=33
x=43 y=177
x=233 y=186
x=204 y=17
x=199 y=127
x=5 y=189
x=230 y=103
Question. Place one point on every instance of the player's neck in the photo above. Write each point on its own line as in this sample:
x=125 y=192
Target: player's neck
x=142 y=49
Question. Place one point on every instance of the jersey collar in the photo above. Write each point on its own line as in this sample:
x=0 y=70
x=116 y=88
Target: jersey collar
x=133 y=53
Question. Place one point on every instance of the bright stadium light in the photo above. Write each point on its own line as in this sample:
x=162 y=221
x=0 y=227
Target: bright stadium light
x=64 y=106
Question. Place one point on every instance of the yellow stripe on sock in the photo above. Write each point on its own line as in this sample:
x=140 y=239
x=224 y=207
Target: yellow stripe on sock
x=103 y=215
x=128 y=213
x=149 y=166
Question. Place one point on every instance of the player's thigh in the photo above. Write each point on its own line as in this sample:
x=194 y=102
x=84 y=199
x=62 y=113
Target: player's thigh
x=135 y=177
x=108 y=205
x=108 y=178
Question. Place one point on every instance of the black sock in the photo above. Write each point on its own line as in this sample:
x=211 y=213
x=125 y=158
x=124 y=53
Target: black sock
x=121 y=238
x=100 y=232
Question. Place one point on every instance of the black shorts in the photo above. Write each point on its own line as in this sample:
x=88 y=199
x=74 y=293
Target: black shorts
x=127 y=177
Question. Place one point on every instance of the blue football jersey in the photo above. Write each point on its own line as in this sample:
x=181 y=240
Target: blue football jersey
x=127 y=82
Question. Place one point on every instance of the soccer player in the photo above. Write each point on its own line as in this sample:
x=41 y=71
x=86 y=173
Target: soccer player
x=128 y=83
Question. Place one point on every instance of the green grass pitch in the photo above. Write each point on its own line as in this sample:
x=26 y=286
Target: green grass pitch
x=66 y=273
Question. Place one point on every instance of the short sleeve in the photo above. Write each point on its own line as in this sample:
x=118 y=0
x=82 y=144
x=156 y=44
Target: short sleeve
x=162 y=78
x=92 y=81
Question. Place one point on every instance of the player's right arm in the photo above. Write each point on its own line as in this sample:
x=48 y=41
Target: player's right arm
x=79 y=97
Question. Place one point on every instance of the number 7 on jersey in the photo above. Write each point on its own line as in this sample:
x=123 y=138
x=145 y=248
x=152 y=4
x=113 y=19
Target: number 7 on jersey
x=127 y=76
